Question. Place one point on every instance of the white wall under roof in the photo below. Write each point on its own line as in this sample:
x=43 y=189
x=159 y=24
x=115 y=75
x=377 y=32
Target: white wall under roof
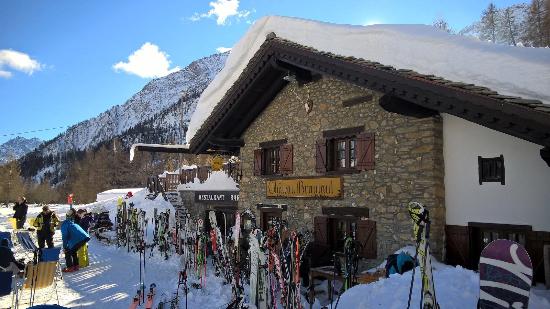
x=525 y=197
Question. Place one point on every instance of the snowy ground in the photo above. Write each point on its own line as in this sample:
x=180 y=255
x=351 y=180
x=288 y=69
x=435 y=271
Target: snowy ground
x=112 y=278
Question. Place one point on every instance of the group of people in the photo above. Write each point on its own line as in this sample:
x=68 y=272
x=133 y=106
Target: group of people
x=74 y=234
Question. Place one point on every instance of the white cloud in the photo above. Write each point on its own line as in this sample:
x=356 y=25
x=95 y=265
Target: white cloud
x=222 y=10
x=146 y=62
x=17 y=61
x=222 y=49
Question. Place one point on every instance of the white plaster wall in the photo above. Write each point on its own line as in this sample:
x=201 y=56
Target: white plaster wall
x=525 y=197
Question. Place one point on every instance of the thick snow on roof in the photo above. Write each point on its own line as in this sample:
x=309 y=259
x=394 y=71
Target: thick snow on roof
x=217 y=181
x=509 y=70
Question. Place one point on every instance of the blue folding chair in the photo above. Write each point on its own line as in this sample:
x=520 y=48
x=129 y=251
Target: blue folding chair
x=7 y=235
x=49 y=254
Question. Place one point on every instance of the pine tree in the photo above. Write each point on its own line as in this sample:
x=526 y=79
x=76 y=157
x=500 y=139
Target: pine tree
x=537 y=34
x=509 y=29
x=489 y=24
x=442 y=24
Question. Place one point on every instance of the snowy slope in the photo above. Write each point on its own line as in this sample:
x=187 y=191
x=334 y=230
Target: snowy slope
x=516 y=71
x=17 y=147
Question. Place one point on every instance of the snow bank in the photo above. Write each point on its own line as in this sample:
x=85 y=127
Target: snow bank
x=509 y=70
x=140 y=202
x=115 y=194
x=455 y=287
x=218 y=180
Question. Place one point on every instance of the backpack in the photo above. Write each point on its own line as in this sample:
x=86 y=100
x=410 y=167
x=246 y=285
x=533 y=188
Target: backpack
x=399 y=263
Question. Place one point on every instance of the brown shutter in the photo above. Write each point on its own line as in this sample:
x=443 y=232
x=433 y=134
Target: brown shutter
x=258 y=170
x=321 y=156
x=365 y=151
x=287 y=158
x=320 y=229
x=366 y=235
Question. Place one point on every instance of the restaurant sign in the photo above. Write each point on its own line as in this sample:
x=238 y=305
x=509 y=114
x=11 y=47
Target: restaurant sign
x=217 y=197
x=318 y=187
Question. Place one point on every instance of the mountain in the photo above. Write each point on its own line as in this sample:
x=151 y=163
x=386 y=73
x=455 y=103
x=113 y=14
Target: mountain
x=160 y=112
x=17 y=147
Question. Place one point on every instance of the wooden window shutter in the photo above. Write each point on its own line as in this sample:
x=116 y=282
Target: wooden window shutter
x=365 y=151
x=287 y=158
x=258 y=166
x=320 y=224
x=366 y=236
x=321 y=156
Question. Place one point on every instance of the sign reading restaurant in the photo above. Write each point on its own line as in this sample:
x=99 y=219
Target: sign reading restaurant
x=217 y=197
x=320 y=187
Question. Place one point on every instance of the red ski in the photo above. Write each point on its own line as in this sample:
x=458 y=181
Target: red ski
x=135 y=301
x=150 y=296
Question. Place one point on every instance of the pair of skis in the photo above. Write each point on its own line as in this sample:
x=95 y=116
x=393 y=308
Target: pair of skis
x=137 y=301
x=421 y=219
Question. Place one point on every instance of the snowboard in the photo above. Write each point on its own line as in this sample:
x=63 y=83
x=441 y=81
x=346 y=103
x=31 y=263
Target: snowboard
x=505 y=275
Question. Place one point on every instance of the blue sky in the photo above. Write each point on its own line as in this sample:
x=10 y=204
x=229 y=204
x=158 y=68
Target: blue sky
x=62 y=62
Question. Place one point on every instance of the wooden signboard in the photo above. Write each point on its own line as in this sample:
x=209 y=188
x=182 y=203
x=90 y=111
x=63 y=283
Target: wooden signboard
x=315 y=187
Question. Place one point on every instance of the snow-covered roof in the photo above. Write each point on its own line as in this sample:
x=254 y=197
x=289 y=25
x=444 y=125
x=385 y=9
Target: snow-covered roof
x=121 y=191
x=217 y=180
x=509 y=70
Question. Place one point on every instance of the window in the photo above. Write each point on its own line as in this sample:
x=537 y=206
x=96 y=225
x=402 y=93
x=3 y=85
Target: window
x=344 y=153
x=270 y=214
x=344 y=150
x=491 y=169
x=336 y=223
x=273 y=158
x=339 y=229
x=482 y=234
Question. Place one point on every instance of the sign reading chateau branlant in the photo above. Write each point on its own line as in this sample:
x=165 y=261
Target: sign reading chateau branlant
x=220 y=197
x=319 y=187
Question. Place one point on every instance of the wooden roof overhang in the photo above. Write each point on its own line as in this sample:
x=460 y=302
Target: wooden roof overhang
x=262 y=79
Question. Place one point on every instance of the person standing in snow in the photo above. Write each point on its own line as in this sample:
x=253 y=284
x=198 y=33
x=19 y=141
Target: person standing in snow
x=45 y=224
x=84 y=219
x=74 y=237
x=20 y=214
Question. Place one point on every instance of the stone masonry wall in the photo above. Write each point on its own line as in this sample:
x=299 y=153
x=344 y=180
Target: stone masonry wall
x=408 y=167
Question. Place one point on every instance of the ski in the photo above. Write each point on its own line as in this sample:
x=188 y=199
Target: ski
x=150 y=296
x=421 y=219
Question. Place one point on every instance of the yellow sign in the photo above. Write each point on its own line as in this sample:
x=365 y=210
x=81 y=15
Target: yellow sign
x=322 y=187
x=217 y=163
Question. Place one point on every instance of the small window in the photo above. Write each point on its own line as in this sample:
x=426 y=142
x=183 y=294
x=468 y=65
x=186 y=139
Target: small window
x=344 y=155
x=491 y=169
x=272 y=160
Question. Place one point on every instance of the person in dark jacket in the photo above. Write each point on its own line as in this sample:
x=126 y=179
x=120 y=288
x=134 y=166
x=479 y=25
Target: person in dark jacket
x=73 y=237
x=20 y=214
x=7 y=259
x=84 y=219
x=45 y=224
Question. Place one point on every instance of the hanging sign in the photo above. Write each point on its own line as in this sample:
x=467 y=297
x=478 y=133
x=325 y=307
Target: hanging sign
x=217 y=163
x=217 y=197
x=318 y=187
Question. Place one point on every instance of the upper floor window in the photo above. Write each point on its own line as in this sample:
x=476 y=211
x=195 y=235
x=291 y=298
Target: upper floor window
x=345 y=150
x=491 y=169
x=273 y=158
